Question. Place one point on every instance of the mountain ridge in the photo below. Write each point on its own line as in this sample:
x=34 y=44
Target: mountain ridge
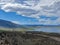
x=8 y=24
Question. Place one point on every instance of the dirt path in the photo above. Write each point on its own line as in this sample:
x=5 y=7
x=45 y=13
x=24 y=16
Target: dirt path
x=55 y=38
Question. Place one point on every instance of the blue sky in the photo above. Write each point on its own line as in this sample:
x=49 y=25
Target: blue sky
x=30 y=12
x=12 y=16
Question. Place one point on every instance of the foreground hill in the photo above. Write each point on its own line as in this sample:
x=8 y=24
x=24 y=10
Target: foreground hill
x=29 y=38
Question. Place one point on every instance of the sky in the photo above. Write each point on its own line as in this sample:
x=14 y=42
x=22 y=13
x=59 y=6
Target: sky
x=31 y=12
x=15 y=18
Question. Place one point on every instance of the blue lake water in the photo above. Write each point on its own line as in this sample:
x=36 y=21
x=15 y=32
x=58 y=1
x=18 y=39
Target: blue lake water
x=49 y=29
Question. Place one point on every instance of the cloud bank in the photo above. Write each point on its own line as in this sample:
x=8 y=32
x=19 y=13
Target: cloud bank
x=49 y=10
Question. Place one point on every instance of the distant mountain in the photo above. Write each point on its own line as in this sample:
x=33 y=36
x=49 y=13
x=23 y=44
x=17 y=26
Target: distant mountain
x=8 y=24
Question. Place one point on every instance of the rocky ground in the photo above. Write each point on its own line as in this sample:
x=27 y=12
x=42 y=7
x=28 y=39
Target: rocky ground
x=29 y=38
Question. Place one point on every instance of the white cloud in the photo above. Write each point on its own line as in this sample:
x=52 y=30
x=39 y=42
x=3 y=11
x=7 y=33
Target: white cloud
x=33 y=8
x=50 y=22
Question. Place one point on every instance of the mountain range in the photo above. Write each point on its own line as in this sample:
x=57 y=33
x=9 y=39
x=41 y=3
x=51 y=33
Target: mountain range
x=8 y=24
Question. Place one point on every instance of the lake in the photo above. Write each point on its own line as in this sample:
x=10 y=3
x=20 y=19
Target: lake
x=55 y=29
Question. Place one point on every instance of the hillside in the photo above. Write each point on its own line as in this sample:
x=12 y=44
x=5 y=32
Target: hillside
x=28 y=38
